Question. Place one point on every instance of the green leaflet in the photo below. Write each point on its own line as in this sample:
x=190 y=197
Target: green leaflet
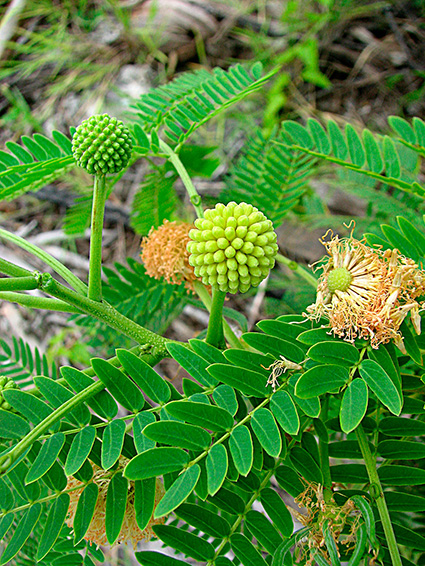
x=245 y=551
x=204 y=520
x=152 y=558
x=400 y=426
x=56 y=394
x=228 y=501
x=23 y=530
x=120 y=386
x=277 y=511
x=12 y=426
x=54 y=523
x=80 y=449
x=339 y=353
x=178 y=492
x=192 y=363
x=155 y=387
x=353 y=405
x=144 y=501
x=262 y=529
x=180 y=435
x=116 y=502
x=185 y=542
x=305 y=464
x=206 y=416
x=267 y=432
x=34 y=409
x=285 y=412
x=141 y=441
x=112 y=443
x=225 y=397
x=216 y=464
x=46 y=457
x=241 y=449
x=378 y=381
x=156 y=462
x=85 y=510
x=275 y=346
x=289 y=480
x=321 y=379
x=401 y=450
x=250 y=383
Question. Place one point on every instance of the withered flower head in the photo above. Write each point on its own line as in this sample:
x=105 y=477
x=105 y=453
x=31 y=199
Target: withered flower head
x=96 y=532
x=366 y=292
x=164 y=253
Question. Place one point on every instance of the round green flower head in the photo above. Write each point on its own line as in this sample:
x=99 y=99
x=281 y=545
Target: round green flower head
x=233 y=247
x=102 y=145
x=6 y=383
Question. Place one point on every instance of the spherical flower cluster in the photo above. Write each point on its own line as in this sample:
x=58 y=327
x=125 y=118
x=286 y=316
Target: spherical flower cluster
x=164 y=253
x=367 y=292
x=5 y=384
x=102 y=145
x=130 y=530
x=233 y=247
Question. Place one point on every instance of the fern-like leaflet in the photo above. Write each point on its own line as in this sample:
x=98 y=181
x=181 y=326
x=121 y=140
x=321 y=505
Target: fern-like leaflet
x=19 y=362
x=269 y=175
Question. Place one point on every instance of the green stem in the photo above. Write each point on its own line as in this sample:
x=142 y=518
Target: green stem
x=33 y=302
x=205 y=297
x=195 y=199
x=56 y=265
x=215 y=335
x=18 y=283
x=380 y=499
x=97 y=214
x=104 y=312
x=13 y=270
x=294 y=266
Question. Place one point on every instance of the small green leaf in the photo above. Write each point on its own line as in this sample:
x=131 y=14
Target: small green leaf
x=206 y=351
x=25 y=527
x=355 y=146
x=178 y=434
x=250 y=360
x=156 y=462
x=339 y=146
x=116 y=503
x=80 y=449
x=241 y=449
x=275 y=346
x=112 y=442
x=185 y=542
x=225 y=397
x=217 y=463
x=250 y=383
x=144 y=501
x=299 y=134
x=401 y=450
x=206 y=416
x=245 y=551
x=310 y=337
x=12 y=426
x=192 y=363
x=373 y=154
x=277 y=511
x=178 y=492
x=85 y=511
x=330 y=544
x=46 y=457
x=321 y=379
x=391 y=159
x=152 y=558
x=228 y=501
x=56 y=394
x=378 y=381
x=53 y=526
x=339 y=353
x=306 y=465
x=349 y=473
x=261 y=528
x=267 y=432
x=368 y=517
x=319 y=136
x=155 y=387
x=285 y=412
x=353 y=405
x=399 y=426
x=32 y=408
x=119 y=385
x=405 y=502
x=403 y=129
x=204 y=520
x=141 y=441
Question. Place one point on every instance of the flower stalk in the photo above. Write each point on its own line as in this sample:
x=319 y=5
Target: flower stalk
x=97 y=215
x=215 y=335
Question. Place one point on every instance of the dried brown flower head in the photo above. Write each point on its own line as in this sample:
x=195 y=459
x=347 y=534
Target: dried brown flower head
x=367 y=292
x=164 y=253
x=130 y=530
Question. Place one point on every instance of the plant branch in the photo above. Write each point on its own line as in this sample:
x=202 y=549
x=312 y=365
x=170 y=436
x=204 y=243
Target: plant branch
x=33 y=302
x=98 y=212
x=28 y=283
x=370 y=463
x=13 y=270
x=294 y=266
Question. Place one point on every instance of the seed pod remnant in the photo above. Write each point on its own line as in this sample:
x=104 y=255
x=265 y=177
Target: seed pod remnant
x=233 y=248
x=102 y=145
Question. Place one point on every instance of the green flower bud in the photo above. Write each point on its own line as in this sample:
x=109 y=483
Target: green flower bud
x=5 y=384
x=102 y=145
x=239 y=247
